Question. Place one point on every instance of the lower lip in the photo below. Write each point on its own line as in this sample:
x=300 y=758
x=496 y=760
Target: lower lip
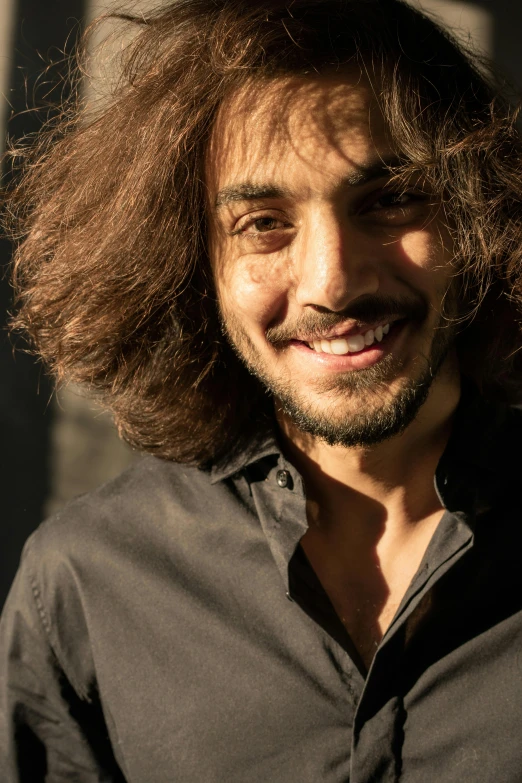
x=352 y=361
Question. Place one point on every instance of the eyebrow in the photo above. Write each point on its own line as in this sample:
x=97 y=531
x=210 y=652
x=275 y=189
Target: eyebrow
x=249 y=191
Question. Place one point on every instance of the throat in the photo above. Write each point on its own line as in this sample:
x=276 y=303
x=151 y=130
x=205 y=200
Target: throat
x=366 y=617
x=367 y=576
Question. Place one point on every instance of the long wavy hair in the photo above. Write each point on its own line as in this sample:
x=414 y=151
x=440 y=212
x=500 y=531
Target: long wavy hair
x=111 y=272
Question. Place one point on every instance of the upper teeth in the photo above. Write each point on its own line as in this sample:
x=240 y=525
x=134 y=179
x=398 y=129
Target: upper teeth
x=342 y=345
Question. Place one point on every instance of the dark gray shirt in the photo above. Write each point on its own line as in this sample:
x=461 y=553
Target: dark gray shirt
x=168 y=629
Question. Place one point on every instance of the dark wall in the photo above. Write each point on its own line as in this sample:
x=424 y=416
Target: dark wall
x=41 y=30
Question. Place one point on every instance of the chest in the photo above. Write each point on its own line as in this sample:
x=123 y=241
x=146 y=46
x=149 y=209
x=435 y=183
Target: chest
x=232 y=681
x=365 y=606
x=366 y=570
x=261 y=694
x=365 y=589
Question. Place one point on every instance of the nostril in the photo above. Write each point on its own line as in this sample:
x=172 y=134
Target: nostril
x=333 y=290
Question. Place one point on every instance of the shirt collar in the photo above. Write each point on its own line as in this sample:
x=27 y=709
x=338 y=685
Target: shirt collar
x=474 y=468
x=477 y=463
x=264 y=444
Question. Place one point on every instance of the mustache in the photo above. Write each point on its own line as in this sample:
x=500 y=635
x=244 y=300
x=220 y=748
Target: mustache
x=365 y=310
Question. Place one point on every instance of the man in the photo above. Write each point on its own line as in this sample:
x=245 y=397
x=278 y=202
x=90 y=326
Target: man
x=288 y=257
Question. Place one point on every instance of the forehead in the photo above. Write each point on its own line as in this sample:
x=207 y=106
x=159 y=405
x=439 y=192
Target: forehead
x=270 y=131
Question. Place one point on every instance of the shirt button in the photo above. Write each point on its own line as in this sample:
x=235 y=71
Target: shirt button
x=282 y=478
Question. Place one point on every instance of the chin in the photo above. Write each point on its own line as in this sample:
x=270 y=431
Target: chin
x=365 y=418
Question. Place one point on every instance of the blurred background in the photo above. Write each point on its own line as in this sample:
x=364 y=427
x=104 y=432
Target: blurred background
x=57 y=446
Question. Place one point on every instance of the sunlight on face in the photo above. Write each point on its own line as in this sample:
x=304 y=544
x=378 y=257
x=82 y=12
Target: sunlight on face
x=330 y=277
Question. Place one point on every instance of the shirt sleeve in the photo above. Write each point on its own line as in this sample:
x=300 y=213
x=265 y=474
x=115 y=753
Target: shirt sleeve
x=48 y=732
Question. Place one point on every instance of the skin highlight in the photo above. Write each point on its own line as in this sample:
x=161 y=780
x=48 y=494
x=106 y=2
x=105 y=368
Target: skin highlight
x=298 y=249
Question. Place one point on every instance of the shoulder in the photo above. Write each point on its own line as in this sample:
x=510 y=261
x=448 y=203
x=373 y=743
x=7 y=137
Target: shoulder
x=148 y=495
x=500 y=434
x=488 y=432
x=514 y=420
x=141 y=516
x=102 y=551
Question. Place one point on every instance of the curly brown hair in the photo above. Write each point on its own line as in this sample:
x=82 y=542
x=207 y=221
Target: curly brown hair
x=111 y=271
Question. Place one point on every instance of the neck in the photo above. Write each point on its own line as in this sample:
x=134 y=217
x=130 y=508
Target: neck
x=396 y=474
x=372 y=512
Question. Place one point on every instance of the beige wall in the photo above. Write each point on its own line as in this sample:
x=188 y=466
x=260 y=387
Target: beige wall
x=466 y=20
x=463 y=17
x=6 y=29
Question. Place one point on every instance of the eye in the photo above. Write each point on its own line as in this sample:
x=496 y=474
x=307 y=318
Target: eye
x=253 y=226
x=263 y=231
x=263 y=224
x=396 y=207
x=395 y=199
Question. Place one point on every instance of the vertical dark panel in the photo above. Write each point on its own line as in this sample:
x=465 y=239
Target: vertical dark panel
x=507 y=15
x=41 y=30
x=507 y=34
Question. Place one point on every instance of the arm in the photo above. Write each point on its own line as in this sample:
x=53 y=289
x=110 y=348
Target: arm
x=48 y=732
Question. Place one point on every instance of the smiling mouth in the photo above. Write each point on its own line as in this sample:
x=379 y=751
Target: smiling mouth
x=341 y=346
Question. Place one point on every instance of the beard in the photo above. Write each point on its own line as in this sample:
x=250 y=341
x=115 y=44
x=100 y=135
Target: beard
x=375 y=413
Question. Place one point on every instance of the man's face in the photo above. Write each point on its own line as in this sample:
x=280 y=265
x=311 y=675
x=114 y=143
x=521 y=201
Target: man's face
x=330 y=277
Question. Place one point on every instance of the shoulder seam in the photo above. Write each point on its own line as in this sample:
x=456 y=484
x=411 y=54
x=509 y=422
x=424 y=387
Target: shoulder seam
x=47 y=626
x=40 y=608
x=37 y=596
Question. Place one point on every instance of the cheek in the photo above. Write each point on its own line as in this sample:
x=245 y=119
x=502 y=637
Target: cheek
x=426 y=256
x=253 y=290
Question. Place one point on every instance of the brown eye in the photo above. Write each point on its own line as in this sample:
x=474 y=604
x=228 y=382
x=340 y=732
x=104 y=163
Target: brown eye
x=266 y=233
x=266 y=224
x=401 y=200
x=388 y=200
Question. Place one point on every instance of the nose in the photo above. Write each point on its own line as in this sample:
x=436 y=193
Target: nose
x=333 y=264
